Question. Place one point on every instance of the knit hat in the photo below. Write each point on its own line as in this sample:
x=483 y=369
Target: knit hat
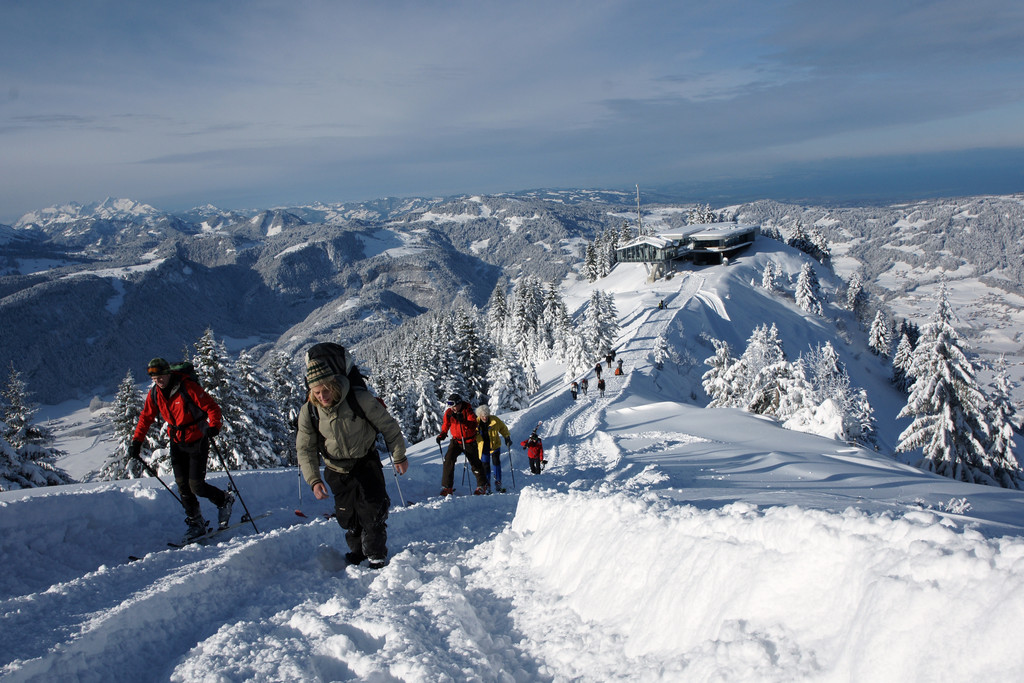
x=317 y=372
x=455 y=399
x=158 y=366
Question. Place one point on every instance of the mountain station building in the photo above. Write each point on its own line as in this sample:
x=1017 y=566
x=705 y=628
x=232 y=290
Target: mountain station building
x=702 y=243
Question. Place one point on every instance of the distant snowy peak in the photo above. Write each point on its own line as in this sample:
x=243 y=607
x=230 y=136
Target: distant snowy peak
x=108 y=209
x=272 y=223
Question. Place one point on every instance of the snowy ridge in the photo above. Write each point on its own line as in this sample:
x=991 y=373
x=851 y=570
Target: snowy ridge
x=663 y=542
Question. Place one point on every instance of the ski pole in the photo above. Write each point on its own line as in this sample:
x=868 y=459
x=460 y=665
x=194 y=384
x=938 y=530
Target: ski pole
x=153 y=473
x=232 y=480
x=394 y=471
x=511 y=468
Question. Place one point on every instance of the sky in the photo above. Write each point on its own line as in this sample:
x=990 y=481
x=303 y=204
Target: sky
x=662 y=542
x=257 y=104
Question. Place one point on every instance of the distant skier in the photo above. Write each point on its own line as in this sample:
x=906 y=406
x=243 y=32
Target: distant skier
x=535 y=452
x=574 y=389
x=172 y=396
x=609 y=357
x=583 y=385
x=600 y=387
x=618 y=367
x=490 y=431
x=461 y=420
x=597 y=369
x=661 y=304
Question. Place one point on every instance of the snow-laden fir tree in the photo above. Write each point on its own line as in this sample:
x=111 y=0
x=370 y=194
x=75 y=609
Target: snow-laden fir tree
x=1003 y=466
x=699 y=215
x=902 y=362
x=427 y=410
x=716 y=380
x=601 y=323
x=591 y=269
x=662 y=351
x=856 y=297
x=578 y=355
x=497 y=312
x=509 y=383
x=124 y=416
x=242 y=443
x=946 y=404
x=287 y=386
x=29 y=457
x=271 y=437
x=472 y=352
x=770 y=277
x=757 y=380
x=880 y=335
x=808 y=291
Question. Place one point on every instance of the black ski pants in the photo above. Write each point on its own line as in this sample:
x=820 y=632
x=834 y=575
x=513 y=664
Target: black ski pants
x=457 y=447
x=361 y=502
x=188 y=460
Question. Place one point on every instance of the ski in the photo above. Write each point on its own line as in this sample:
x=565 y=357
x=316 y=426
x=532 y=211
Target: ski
x=215 y=532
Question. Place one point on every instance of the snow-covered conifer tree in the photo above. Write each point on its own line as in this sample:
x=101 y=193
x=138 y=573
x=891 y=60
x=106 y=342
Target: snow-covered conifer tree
x=880 y=336
x=124 y=416
x=428 y=413
x=716 y=380
x=902 y=362
x=591 y=270
x=856 y=297
x=808 y=291
x=662 y=351
x=271 y=438
x=30 y=458
x=508 y=383
x=1003 y=465
x=770 y=277
x=946 y=404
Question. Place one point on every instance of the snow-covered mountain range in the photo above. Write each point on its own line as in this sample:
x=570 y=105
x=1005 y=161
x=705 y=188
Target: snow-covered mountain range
x=118 y=282
x=664 y=541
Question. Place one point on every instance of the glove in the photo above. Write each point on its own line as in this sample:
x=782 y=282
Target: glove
x=134 y=449
x=439 y=439
x=508 y=442
x=211 y=432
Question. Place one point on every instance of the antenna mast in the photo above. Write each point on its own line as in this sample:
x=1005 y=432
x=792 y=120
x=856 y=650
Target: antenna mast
x=639 y=222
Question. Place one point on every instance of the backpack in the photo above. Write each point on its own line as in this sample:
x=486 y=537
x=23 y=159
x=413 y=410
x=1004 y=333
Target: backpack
x=339 y=360
x=186 y=370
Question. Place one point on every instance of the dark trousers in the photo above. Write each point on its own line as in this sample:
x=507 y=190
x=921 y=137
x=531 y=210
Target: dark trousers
x=188 y=461
x=536 y=465
x=361 y=502
x=451 y=456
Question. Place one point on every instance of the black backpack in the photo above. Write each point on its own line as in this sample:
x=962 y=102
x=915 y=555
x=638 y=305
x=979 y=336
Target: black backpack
x=339 y=360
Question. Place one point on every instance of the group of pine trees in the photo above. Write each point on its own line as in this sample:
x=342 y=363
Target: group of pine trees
x=485 y=357
x=764 y=381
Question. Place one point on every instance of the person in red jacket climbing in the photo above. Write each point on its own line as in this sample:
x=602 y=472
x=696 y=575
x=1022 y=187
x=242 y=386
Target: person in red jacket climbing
x=535 y=452
x=173 y=397
x=460 y=419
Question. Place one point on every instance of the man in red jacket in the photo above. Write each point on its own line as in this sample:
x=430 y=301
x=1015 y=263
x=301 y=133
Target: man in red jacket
x=192 y=418
x=461 y=420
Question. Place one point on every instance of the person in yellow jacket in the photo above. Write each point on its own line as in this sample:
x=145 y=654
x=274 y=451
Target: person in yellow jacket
x=490 y=431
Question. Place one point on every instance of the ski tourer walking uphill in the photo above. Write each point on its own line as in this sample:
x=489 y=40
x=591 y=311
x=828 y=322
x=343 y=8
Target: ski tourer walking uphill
x=574 y=389
x=344 y=429
x=535 y=452
x=490 y=431
x=193 y=418
x=460 y=419
x=600 y=387
x=597 y=369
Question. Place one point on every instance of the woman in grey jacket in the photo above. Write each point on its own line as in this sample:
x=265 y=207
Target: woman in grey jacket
x=353 y=469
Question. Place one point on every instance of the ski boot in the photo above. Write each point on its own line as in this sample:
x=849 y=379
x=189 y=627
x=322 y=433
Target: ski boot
x=197 y=526
x=224 y=511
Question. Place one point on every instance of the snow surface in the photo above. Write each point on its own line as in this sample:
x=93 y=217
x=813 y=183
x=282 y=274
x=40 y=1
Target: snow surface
x=663 y=542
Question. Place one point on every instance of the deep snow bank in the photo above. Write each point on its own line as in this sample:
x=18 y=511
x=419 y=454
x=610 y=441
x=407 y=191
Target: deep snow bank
x=781 y=592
